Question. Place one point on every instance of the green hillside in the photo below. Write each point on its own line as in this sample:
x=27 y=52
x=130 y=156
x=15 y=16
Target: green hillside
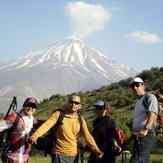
x=119 y=96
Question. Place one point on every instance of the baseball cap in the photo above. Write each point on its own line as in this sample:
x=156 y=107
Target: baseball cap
x=136 y=80
x=100 y=103
x=30 y=100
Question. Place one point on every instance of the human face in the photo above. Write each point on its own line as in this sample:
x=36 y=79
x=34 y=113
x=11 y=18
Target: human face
x=138 y=89
x=29 y=110
x=100 y=111
x=74 y=104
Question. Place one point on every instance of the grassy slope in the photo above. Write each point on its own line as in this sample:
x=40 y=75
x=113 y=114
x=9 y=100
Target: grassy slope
x=118 y=95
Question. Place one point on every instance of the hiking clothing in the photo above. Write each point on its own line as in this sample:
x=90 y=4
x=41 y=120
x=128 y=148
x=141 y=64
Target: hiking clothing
x=67 y=134
x=18 y=145
x=144 y=146
x=104 y=135
x=141 y=113
x=56 y=158
x=143 y=149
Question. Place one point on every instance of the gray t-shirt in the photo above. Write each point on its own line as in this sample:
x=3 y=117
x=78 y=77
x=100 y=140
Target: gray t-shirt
x=141 y=113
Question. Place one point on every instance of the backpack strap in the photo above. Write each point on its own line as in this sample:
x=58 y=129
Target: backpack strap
x=60 y=119
x=15 y=123
x=6 y=144
x=80 y=122
x=145 y=99
x=10 y=131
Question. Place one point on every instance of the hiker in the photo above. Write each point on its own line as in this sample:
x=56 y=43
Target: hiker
x=67 y=146
x=18 y=143
x=143 y=123
x=104 y=134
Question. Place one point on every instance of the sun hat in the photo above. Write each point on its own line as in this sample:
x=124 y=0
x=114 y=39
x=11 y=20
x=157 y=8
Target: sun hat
x=30 y=100
x=100 y=103
x=136 y=80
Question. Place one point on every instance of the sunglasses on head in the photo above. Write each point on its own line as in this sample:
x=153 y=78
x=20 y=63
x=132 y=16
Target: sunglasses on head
x=32 y=106
x=74 y=102
x=135 y=85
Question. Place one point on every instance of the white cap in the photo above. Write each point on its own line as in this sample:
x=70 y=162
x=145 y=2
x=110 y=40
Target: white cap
x=99 y=103
x=136 y=80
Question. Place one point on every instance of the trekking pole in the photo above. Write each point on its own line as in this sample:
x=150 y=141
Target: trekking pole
x=139 y=157
x=82 y=148
x=13 y=106
x=81 y=156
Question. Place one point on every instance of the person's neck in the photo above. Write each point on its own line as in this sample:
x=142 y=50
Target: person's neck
x=140 y=96
x=25 y=114
x=71 y=114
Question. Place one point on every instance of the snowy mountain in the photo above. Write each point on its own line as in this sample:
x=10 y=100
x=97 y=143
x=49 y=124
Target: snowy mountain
x=68 y=66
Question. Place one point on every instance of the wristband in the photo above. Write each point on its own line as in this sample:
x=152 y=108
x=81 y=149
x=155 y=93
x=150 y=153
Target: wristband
x=147 y=128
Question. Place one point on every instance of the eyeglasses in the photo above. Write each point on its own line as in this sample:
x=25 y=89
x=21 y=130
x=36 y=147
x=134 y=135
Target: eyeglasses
x=74 y=102
x=136 y=84
x=32 y=106
x=99 y=107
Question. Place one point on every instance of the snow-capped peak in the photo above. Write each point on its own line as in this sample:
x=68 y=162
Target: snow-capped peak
x=69 y=50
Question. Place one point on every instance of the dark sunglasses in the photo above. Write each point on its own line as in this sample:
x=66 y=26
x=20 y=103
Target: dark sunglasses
x=74 y=102
x=136 y=84
x=32 y=106
x=99 y=108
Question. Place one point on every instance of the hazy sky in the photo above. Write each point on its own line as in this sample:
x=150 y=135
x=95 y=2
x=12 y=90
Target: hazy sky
x=129 y=32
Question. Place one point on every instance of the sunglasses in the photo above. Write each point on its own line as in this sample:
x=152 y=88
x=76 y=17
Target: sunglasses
x=136 y=84
x=99 y=108
x=74 y=102
x=32 y=106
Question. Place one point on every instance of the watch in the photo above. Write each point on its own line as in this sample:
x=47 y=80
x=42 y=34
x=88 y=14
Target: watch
x=147 y=128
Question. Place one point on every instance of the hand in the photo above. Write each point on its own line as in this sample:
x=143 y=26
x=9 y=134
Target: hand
x=142 y=134
x=32 y=140
x=118 y=148
x=99 y=154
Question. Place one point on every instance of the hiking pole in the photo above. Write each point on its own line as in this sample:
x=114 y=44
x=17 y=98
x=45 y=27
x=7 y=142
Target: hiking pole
x=13 y=106
x=139 y=157
x=82 y=148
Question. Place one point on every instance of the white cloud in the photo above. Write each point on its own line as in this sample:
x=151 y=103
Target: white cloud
x=143 y=37
x=86 y=19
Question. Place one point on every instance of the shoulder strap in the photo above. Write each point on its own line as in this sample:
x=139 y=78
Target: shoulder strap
x=10 y=131
x=145 y=100
x=14 y=124
x=60 y=119
x=80 y=122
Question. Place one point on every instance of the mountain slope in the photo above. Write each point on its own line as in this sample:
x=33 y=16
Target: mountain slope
x=68 y=66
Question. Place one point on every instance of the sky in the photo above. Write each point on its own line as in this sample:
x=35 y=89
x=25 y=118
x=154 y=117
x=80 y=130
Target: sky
x=128 y=32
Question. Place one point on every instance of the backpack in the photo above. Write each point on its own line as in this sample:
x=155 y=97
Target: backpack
x=5 y=138
x=120 y=138
x=159 y=123
x=49 y=141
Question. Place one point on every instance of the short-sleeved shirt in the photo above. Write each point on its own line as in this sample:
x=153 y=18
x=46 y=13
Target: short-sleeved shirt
x=141 y=113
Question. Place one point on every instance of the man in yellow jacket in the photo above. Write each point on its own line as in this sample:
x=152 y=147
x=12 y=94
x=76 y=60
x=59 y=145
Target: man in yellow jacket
x=67 y=146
